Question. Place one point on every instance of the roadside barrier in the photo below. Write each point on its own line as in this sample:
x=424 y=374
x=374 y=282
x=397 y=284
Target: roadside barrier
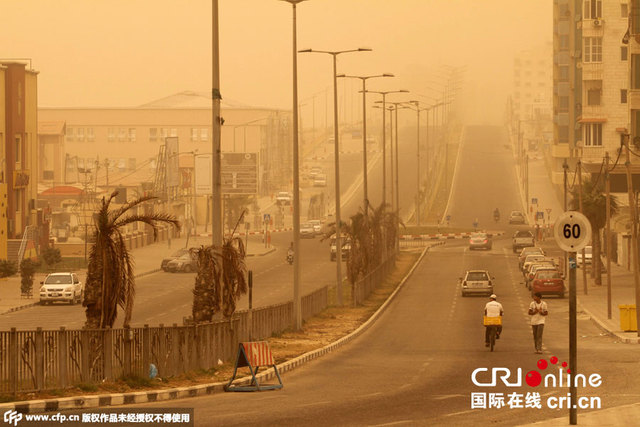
x=254 y=355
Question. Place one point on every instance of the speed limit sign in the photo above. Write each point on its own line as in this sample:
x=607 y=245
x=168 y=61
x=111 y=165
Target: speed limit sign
x=572 y=231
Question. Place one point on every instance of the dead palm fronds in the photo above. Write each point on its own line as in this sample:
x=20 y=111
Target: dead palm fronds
x=110 y=273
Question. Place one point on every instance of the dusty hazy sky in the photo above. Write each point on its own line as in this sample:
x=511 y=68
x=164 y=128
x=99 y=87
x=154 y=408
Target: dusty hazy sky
x=128 y=52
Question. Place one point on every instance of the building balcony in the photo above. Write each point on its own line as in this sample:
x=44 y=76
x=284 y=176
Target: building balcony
x=593 y=154
x=592 y=113
x=592 y=70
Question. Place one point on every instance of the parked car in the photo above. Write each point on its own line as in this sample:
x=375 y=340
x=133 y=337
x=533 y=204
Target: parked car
x=307 y=230
x=186 y=263
x=588 y=256
x=314 y=172
x=530 y=259
x=529 y=250
x=284 y=198
x=548 y=282
x=320 y=180
x=522 y=239
x=346 y=247
x=64 y=287
x=477 y=282
x=175 y=255
x=534 y=268
x=517 y=217
x=317 y=226
x=480 y=241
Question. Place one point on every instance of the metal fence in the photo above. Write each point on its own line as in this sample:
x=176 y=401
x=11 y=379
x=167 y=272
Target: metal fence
x=54 y=359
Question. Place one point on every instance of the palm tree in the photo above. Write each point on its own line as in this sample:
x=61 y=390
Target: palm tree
x=594 y=207
x=110 y=273
x=221 y=278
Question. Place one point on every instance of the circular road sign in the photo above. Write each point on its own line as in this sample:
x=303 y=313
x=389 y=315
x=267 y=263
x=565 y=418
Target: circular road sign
x=572 y=231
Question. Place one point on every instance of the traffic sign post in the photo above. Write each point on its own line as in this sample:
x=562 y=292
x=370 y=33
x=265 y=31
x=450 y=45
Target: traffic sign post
x=572 y=232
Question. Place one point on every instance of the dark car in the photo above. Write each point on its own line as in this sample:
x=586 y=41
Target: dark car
x=186 y=263
x=176 y=254
x=480 y=241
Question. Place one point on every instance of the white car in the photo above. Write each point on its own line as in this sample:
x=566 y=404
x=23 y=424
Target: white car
x=317 y=226
x=64 y=287
x=284 y=197
x=307 y=230
x=320 y=180
x=588 y=256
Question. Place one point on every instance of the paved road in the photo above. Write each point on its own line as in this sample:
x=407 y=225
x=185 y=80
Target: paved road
x=414 y=365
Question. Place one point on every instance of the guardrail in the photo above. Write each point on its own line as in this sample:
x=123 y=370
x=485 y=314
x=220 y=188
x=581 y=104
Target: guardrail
x=363 y=287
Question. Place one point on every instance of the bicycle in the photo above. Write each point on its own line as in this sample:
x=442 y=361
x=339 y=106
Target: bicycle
x=492 y=323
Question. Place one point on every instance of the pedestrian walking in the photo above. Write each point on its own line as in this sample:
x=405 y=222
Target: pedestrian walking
x=538 y=312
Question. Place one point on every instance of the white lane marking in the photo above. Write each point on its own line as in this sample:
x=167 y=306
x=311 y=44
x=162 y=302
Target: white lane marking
x=324 y=402
x=447 y=396
x=371 y=394
x=395 y=423
x=459 y=413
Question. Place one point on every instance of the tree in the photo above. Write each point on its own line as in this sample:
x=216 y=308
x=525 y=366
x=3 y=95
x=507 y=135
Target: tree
x=221 y=278
x=110 y=273
x=594 y=207
x=27 y=271
x=51 y=256
x=7 y=268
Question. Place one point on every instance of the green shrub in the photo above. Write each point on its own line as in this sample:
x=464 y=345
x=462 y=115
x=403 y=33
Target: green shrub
x=8 y=268
x=27 y=271
x=51 y=256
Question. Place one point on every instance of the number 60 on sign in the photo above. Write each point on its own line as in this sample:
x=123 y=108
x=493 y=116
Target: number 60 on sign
x=572 y=231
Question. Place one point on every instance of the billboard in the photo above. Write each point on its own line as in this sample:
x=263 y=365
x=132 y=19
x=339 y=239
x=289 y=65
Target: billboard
x=239 y=173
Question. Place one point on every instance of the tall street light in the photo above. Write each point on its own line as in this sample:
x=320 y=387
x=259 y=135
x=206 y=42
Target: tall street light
x=364 y=130
x=335 y=54
x=297 y=306
x=397 y=106
x=418 y=110
x=216 y=123
x=384 y=139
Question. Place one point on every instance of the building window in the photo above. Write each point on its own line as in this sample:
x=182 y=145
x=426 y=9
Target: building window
x=18 y=148
x=194 y=134
x=624 y=53
x=204 y=134
x=122 y=134
x=564 y=42
x=563 y=73
x=153 y=134
x=132 y=134
x=563 y=133
x=623 y=96
x=635 y=71
x=16 y=195
x=592 y=134
x=80 y=134
x=592 y=49
x=594 y=91
x=90 y=136
x=111 y=134
x=174 y=132
x=164 y=133
x=624 y=10
x=635 y=16
x=592 y=9
x=70 y=134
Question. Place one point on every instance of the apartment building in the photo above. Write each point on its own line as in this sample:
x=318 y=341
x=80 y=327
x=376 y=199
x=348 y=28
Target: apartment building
x=18 y=145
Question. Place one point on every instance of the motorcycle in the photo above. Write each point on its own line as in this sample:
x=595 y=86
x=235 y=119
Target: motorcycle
x=290 y=258
x=496 y=217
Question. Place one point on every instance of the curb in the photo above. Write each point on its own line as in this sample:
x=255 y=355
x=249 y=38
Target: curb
x=267 y=252
x=95 y=401
x=444 y=236
x=602 y=326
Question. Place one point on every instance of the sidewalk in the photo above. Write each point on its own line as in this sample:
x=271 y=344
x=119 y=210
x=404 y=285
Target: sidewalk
x=147 y=260
x=595 y=303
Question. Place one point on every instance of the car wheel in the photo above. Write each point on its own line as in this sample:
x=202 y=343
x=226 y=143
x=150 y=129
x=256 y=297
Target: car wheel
x=43 y=302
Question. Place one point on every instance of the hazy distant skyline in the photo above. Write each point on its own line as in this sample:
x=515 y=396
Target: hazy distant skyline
x=121 y=53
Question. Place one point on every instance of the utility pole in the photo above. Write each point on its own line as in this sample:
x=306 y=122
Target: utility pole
x=565 y=167
x=608 y=236
x=216 y=197
x=634 y=229
x=584 y=259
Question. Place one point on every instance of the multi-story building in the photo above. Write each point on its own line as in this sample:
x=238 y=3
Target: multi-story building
x=127 y=139
x=19 y=147
x=532 y=100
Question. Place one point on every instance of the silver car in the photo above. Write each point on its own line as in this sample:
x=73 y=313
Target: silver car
x=480 y=241
x=477 y=282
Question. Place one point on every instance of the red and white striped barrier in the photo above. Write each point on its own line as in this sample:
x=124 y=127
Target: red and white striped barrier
x=445 y=236
x=258 y=353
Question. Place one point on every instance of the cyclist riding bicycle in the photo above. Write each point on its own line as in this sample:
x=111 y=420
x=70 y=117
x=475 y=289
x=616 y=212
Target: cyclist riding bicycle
x=492 y=309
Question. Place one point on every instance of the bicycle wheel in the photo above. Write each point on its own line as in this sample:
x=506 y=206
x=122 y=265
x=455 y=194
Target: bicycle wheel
x=492 y=337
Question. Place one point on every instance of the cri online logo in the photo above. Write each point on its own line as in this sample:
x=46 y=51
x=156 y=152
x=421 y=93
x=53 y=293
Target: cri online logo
x=534 y=378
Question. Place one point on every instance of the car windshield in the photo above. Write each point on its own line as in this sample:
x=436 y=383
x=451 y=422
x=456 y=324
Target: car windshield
x=477 y=275
x=479 y=236
x=523 y=234
x=62 y=279
x=548 y=274
x=531 y=258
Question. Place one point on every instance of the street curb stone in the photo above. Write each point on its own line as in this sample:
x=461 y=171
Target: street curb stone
x=114 y=399
x=602 y=326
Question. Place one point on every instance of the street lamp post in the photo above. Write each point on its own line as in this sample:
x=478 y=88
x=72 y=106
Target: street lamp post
x=418 y=110
x=364 y=130
x=384 y=141
x=334 y=55
x=297 y=306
